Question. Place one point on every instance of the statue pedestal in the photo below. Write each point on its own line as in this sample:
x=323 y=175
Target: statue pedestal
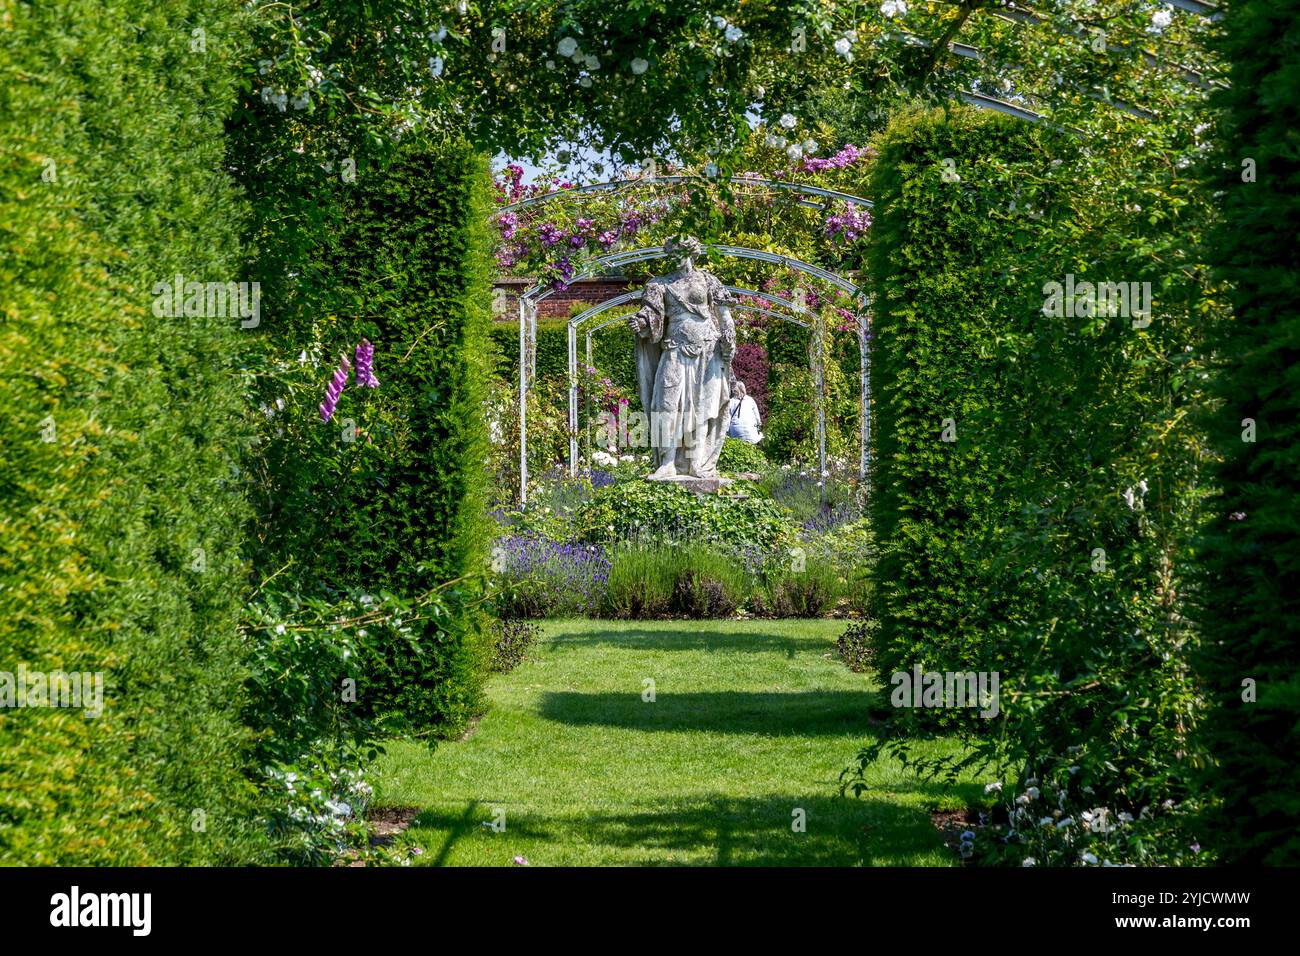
x=701 y=486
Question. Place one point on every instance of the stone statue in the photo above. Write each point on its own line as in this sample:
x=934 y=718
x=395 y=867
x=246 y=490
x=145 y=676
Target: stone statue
x=685 y=341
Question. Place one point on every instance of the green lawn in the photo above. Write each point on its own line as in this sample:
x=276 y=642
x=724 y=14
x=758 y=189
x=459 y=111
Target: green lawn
x=752 y=721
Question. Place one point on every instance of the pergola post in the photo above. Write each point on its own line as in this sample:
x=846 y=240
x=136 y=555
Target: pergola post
x=865 y=356
x=573 y=401
x=523 y=401
x=591 y=363
x=820 y=368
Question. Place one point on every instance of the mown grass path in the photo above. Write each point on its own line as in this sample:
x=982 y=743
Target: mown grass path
x=751 y=721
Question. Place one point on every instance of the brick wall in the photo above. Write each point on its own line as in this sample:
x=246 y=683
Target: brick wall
x=587 y=292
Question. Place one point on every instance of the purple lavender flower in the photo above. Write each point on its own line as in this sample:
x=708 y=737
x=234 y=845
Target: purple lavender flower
x=365 y=365
x=334 y=389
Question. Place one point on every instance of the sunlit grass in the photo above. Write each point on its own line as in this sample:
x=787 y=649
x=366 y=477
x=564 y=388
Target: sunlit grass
x=751 y=722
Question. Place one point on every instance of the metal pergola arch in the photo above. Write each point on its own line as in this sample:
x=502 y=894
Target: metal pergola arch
x=618 y=185
x=528 y=336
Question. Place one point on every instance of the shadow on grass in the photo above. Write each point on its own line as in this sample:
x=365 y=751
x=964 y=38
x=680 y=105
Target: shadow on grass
x=717 y=830
x=684 y=636
x=800 y=714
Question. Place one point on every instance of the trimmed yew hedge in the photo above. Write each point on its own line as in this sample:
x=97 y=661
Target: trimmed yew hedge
x=942 y=483
x=1250 y=611
x=121 y=529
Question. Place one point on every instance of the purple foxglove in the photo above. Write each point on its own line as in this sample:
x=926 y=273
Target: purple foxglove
x=366 y=365
x=334 y=389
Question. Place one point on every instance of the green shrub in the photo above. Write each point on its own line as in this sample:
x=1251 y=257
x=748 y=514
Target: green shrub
x=511 y=640
x=649 y=579
x=1250 y=552
x=1049 y=541
x=391 y=494
x=651 y=509
x=741 y=457
x=937 y=312
x=121 y=535
x=854 y=646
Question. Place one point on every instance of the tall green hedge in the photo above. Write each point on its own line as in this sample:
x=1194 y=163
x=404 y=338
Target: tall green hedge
x=941 y=481
x=120 y=510
x=399 y=505
x=1251 y=549
x=1050 y=540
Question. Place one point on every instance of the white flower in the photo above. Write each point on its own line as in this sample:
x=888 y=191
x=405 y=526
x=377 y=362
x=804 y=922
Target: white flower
x=894 y=8
x=1029 y=861
x=435 y=65
x=994 y=787
x=843 y=47
x=567 y=47
x=1062 y=824
x=639 y=66
x=733 y=33
x=1033 y=793
x=438 y=35
x=1089 y=859
x=591 y=63
x=279 y=629
x=1161 y=19
x=776 y=142
x=1125 y=817
x=584 y=81
x=264 y=67
x=787 y=120
x=1128 y=498
x=1044 y=821
x=810 y=147
x=794 y=151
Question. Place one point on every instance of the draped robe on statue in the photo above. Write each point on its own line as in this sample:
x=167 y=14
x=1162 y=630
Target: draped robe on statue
x=684 y=349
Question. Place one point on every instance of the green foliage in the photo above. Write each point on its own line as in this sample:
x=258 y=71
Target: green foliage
x=742 y=457
x=790 y=432
x=611 y=351
x=1250 y=552
x=651 y=579
x=400 y=505
x=940 y=482
x=854 y=646
x=652 y=509
x=1049 y=541
x=121 y=534
x=512 y=639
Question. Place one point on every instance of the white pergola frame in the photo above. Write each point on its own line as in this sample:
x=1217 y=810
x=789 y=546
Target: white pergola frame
x=529 y=300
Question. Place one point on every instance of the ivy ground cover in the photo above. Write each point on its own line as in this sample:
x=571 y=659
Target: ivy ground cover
x=751 y=723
